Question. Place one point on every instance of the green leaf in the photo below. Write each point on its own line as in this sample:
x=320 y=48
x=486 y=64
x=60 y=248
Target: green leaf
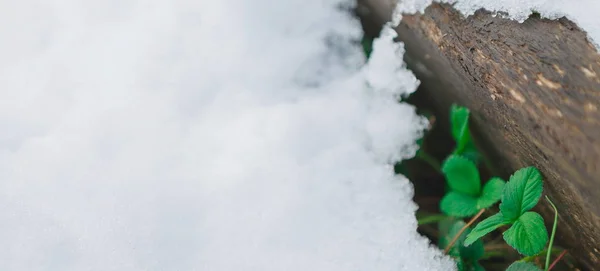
x=523 y=266
x=459 y=120
x=468 y=254
x=465 y=266
x=528 y=235
x=447 y=232
x=445 y=225
x=367 y=44
x=521 y=193
x=459 y=117
x=462 y=175
x=458 y=205
x=470 y=152
x=491 y=193
x=477 y=267
x=484 y=227
x=473 y=252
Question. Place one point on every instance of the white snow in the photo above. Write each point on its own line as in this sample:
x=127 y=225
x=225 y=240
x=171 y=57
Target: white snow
x=583 y=12
x=203 y=135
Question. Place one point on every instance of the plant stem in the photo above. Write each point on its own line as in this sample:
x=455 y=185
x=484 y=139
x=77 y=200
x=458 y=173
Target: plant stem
x=554 y=250
x=430 y=160
x=562 y=254
x=430 y=219
x=553 y=233
x=496 y=250
x=494 y=247
x=492 y=254
x=463 y=230
x=529 y=258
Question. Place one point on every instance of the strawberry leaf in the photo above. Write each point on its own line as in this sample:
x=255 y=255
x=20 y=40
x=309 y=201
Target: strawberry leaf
x=468 y=266
x=523 y=266
x=470 y=152
x=459 y=120
x=521 y=193
x=491 y=193
x=458 y=205
x=462 y=175
x=528 y=235
x=477 y=267
x=484 y=227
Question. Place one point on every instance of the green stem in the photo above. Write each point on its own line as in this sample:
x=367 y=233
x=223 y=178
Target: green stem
x=429 y=160
x=553 y=233
x=530 y=258
x=495 y=250
x=431 y=219
x=554 y=250
x=492 y=254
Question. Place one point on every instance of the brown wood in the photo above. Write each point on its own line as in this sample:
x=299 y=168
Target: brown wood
x=534 y=92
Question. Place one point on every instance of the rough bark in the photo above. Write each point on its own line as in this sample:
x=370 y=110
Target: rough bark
x=534 y=92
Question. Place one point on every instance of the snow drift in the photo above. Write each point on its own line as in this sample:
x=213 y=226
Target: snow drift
x=203 y=135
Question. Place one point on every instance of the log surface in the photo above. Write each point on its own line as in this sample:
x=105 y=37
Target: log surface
x=534 y=93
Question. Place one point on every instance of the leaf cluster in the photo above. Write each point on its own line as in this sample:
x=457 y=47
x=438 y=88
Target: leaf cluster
x=527 y=233
x=466 y=197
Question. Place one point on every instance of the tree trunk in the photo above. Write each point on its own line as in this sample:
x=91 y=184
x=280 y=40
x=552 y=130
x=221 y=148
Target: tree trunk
x=534 y=93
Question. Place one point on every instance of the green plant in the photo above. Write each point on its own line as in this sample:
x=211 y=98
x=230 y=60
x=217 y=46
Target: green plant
x=523 y=266
x=459 y=123
x=467 y=256
x=527 y=234
x=554 y=225
x=466 y=196
x=367 y=45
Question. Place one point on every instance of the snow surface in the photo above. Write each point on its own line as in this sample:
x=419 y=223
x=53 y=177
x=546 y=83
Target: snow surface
x=203 y=135
x=583 y=12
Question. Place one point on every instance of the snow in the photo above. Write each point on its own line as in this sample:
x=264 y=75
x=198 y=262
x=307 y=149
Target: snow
x=203 y=135
x=583 y=12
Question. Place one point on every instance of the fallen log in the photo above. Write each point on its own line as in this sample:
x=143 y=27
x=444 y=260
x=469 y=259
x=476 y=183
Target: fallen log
x=534 y=92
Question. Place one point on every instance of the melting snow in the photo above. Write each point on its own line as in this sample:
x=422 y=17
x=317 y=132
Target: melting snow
x=203 y=135
x=583 y=12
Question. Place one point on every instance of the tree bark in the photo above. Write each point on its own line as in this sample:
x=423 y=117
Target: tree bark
x=534 y=93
